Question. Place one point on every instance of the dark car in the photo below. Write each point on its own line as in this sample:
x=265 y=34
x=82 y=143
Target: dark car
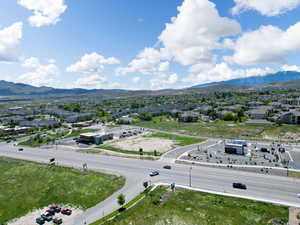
x=39 y=220
x=66 y=211
x=57 y=221
x=20 y=149
x=264 y=150
x=56 y=208
x=168 y=167
x=47 y=217
x=50 y=211
x=154 y=173
x=239 y=186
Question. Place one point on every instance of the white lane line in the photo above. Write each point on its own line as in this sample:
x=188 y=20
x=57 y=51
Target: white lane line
x=290 y=156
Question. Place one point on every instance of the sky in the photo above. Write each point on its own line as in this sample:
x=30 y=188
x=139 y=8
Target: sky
x=146 y=44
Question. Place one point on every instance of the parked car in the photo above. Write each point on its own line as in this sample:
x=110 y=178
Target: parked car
x=264 y=150
x=66 y=211
x=154 y=173
x=56 y=208
x=20 y=149
x=47 y=217
x=39 y=220
x=239 y=186
x=167 y=167
x=50 y=211
x=57 y=221
x=298 y=195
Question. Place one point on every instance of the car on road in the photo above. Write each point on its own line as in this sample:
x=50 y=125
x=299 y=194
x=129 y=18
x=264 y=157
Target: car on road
x=168 y=167
x=298 y=195
x=154 y=173
x=66 y=211
x=57 y=221
x=239 y=186
x=20 y=149
x=39 y=220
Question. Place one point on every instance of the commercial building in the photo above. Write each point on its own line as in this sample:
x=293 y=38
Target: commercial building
x=95 y=138
x=238 y=149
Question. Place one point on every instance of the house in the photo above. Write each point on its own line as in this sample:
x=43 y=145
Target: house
x=291 y=101
x=292 y=117
x=40 y=123
x=189 y=116
x=221 y=114
x=252 y=105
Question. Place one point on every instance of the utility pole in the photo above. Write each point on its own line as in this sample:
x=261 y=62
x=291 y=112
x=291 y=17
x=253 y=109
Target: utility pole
x=190 y=176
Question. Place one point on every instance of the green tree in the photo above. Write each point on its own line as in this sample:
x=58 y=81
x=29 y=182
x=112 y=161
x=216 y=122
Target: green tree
x=121 y=199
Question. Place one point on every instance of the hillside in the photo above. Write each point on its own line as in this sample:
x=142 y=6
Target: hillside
x=258 y=80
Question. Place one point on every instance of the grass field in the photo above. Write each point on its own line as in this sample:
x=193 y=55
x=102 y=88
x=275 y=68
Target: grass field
x=294 y=174
x=221 y=129
x=180 y=140
x=111 y=148
x=184 y=207
x=26 y=186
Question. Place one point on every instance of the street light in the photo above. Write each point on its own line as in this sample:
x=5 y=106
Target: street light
x=191 y=176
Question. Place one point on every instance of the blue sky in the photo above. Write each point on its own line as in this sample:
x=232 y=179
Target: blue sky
x=126 y=44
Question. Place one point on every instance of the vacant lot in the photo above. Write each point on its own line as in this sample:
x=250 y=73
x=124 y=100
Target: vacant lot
x=25 y=186
x=224 y=129
x=185 y=207
x=179 y=140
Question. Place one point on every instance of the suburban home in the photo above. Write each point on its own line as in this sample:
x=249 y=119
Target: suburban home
x=252 y=105
x=40 y=123
x=291 y=101
x=189 y=116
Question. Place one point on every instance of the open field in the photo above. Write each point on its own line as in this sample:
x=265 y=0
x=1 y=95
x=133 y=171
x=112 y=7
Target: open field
x=224 y=129
x=184 y=207
x=179 y=140
x=26 y=186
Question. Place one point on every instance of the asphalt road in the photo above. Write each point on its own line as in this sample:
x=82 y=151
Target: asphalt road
x=267 y=187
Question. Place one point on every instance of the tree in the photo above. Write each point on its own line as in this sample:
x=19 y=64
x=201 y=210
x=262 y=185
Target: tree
x=145 y=184
x=141 y=151
x=145 y=116
x=121 y=199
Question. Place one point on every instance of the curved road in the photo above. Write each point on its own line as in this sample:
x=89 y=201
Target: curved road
x=266 y=187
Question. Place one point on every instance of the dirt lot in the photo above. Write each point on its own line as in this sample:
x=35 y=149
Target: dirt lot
x=148 y=144
x=30 y=217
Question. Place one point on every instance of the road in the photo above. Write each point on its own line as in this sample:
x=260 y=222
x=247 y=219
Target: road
x=267 y=187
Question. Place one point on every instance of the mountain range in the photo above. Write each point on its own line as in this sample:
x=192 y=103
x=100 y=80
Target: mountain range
x=284 y=76
x=287 y=79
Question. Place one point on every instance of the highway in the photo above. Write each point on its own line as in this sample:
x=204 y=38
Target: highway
x=266 y=187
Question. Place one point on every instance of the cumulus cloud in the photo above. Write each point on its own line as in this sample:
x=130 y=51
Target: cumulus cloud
x=268 y=44
x=9 y=42
x=135 y=80
x=149 y=61
x=163 y=81
x=222 y=72
x=189 y=39
x=195 y=31
x=45 y=12
x=290 y=68
x=91 y=64
x=265 y=7
x=43 y=75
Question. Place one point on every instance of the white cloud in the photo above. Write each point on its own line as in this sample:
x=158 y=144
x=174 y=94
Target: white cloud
x=196 y=31
x=222 y=72
x=45 y=12
x=265 y=7
x=9 y=42
x=91 y=82
x=290 y=68
x=43 y=75
x=268 y=44
x=135 y=80
x=91 y=64
x=189 y=38
x=163 y=81
x=149 y=61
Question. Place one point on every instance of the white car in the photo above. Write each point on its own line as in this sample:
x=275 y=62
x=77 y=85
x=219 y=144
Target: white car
x=298 y=195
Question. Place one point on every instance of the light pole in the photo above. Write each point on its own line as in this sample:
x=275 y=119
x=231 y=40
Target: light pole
x=190 y=176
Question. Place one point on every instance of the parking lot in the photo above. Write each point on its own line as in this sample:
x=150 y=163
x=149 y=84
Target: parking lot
x=256 y=154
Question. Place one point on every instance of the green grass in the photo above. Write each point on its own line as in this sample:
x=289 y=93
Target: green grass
x=180 y=140
x=25 y=186
x=110 y=148
x=294 y=174
x=184 y=207
x=221 y=129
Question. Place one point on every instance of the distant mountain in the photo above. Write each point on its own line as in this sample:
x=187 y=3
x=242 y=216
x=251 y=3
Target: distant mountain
x=258 y=80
